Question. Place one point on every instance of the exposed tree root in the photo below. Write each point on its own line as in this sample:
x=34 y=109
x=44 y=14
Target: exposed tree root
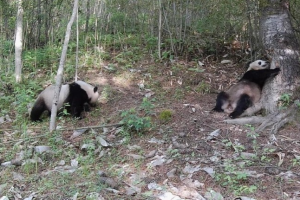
x=246 y=120
x=252 y=110
x=273 y=121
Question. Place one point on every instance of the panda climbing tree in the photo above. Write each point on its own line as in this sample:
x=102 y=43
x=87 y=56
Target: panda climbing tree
x=282 y=48
x=247 y=91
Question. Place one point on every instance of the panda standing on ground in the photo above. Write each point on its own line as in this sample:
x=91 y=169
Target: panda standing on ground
x=247 y=91
x=76 y=94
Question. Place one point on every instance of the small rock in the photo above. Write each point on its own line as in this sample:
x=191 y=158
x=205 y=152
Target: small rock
x=2 y=120
x=209 y=170
x=8 y=119
x=168 y=196
x=102 y=141
x=247 y=155
x=212 y=195
x=272 y=170
x=102 y=173
x=2 y=187
x=213 y=134
x=171 y=173
x=41 y=149
x=245 y=198
x=154 y=186
x=181 y=134
x=17 y=176
x=130 y=191
x=74 y=163
x=226 y=61
x=136 y=157
x=6 y=164
x=134 y=147
x=61 y=163
x=86 y=147
x=214 y=159
x=157 y=161
x=109 y=182
x=151 y=154
x=188 y=169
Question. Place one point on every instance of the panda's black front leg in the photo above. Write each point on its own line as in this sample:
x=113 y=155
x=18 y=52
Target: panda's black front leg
x=76 y=108
x=87 y=107
x=221 y=98
x=243 y=103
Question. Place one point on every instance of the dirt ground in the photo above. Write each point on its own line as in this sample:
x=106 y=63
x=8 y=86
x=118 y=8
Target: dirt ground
x=270 y=162
x=192 y=121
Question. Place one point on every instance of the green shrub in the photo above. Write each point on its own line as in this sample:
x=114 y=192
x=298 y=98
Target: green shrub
x=134 y=123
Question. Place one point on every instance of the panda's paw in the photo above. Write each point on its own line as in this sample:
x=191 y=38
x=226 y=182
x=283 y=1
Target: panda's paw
x=233 y=115
x=218 y=109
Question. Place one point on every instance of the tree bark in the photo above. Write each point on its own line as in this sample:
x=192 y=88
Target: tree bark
x=18 y=42
x=61 y=68
x=279 y=41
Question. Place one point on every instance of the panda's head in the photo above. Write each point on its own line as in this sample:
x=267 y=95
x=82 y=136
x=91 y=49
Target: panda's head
x=92 y=91
x=258 y=65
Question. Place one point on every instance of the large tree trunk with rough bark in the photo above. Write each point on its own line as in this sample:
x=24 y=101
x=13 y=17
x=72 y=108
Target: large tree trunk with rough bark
x=282 y=48
x=280 y=43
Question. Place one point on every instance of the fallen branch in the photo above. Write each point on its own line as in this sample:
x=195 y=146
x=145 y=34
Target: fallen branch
x=68 y=129
x=91 y=127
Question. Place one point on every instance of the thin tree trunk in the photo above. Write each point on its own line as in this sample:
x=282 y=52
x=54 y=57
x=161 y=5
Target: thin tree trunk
x=159 y=29
x=18 y=42
x=77 y=44
x=39 y=24
x=87 y=19
x=61 y=68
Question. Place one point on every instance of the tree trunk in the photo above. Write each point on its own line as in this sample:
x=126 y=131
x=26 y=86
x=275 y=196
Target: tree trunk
x=39 y=25
x=282 y=48
x=280 y=43
x=87 y=19
x=159 y=29
x=18 y=42
x=61 y=68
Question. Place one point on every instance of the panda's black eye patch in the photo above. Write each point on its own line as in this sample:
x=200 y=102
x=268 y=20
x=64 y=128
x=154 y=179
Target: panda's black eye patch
x=259 y=63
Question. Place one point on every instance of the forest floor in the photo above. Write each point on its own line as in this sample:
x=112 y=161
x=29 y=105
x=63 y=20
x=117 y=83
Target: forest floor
x=177 y=158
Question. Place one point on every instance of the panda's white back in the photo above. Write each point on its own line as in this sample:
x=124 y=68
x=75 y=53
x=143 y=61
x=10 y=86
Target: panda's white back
x=48 y=95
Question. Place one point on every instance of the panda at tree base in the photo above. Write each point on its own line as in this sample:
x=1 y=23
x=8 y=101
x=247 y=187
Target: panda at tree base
x=247 y=91
x=76 y=94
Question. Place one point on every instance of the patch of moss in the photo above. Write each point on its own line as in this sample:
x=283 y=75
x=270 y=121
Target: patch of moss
x=165 y=115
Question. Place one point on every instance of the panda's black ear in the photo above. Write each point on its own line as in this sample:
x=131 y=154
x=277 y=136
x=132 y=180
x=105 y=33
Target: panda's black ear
x=259 y=63
x=95 y=89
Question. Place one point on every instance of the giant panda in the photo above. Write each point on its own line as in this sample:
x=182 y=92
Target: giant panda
x=247 y=91
x=76 y=94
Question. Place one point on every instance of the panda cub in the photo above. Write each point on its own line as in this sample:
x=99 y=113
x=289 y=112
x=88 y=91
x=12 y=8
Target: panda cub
x=247 y=91
x=76 y=94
